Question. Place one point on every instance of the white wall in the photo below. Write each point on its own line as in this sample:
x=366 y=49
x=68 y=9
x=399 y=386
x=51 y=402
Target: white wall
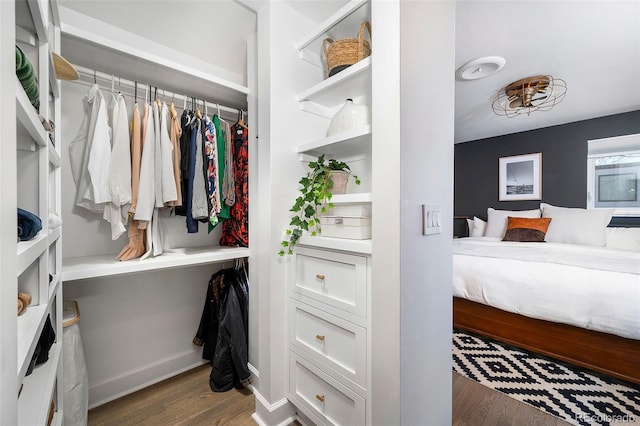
x=137 y=329
x=386 y=146
x=427 y=128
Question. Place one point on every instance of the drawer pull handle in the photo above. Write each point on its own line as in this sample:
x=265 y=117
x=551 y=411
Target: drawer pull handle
x=320 y=337
x=320 y=276
x=320 y=398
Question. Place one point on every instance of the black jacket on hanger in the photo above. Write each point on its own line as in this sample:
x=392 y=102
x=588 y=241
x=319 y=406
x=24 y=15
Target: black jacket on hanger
x=223 y=330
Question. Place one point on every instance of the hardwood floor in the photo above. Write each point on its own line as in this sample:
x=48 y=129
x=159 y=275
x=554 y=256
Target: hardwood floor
x=182 y=400
x=187 y=400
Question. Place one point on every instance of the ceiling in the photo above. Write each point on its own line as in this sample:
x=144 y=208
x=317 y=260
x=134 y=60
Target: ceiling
x=593 y=45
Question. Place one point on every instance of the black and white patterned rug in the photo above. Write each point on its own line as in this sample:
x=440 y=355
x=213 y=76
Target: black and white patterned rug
x=564 y=391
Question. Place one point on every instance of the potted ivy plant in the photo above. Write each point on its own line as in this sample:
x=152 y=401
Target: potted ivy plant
x=316 y=190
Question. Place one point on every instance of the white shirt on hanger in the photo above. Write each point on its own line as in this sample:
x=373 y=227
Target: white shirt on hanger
x=90 y=154
x=116 y=212
x=146 y=191
x=169 y=192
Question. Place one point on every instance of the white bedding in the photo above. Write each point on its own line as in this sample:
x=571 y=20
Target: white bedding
x=589 y=287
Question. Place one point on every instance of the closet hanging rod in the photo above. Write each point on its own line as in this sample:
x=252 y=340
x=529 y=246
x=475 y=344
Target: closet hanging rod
x=122 y=82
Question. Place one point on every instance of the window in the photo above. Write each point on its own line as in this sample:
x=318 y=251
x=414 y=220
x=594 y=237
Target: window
x=613 y=174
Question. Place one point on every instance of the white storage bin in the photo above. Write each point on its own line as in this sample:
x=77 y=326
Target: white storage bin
x=354 y=228
x=350 y=210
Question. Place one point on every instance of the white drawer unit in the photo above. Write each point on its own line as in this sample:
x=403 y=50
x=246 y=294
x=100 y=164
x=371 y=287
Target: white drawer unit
x=330 y=340
x=337 y=279
x=324 y=399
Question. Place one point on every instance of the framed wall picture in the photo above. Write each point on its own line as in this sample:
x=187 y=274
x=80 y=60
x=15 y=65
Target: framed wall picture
x=521 y=177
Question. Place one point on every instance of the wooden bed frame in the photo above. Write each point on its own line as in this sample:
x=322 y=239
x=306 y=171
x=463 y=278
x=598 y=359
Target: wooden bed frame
x=602 y=352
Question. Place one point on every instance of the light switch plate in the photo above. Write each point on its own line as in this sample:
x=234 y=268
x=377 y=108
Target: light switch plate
x=431 y=220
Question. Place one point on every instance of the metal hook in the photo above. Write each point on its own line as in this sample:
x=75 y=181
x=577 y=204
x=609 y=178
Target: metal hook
x=135 y=91
x=95 y=80
x=218 y=109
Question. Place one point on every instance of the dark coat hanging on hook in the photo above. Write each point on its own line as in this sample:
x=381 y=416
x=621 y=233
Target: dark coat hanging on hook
x=223 y=330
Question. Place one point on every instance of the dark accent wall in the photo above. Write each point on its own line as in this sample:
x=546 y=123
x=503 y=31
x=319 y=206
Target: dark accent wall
x=564 y=163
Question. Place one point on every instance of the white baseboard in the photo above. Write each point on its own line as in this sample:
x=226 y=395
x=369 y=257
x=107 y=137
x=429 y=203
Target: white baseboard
x=280 y=413
x=136 y=379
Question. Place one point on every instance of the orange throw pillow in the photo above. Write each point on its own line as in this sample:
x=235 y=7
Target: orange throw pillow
x=526 y=229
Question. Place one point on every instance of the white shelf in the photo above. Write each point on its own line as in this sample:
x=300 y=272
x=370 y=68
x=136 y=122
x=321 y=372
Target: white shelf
x=78 y=268
x=330 y=22
x=39 y=15
x=355 y=246
x=28 y=251
x=35 y=398
x=53 y=287
x=332 y=92
x=30 y=325
x=54 y=234
x=53 y=79
x=335 y=145
x=97 y=45
x=54 y=157
x=28 y=117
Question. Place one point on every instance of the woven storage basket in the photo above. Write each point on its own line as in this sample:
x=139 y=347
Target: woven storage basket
x=340 y=54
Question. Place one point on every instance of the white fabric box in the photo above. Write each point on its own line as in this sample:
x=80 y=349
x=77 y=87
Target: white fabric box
x=351 y=210
x=350 y=227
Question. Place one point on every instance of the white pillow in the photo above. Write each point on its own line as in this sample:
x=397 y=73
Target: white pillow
x=623 y=239
x=497 y=220
x=470 y=226
x=479 y=227
x=577 y=226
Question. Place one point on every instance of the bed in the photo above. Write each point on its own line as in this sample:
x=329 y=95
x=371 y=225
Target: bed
x=576 y=303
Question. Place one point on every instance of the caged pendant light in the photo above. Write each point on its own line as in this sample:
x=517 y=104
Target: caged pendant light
x=536 y=93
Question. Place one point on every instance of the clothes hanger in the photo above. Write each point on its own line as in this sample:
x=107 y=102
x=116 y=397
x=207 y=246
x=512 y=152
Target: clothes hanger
x=241 y=119
x=135 y=91
x=198 y=113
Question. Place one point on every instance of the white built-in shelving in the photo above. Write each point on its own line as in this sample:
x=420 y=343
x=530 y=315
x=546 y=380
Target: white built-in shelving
x=322 y=29
x=144 y=60
x=54 y=157
x=336 y=145
x=343 y=244
x=326 y=97
x=30 y=181
x=28 y=118
x=78 y=268
x=29 y=327
x=324 y=261
x=37 y=393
